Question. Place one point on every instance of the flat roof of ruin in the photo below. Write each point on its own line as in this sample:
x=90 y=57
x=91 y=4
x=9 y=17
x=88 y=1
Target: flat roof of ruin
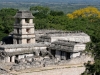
x=22 y=45
x=54 y=33
x=24 y=14
x=65 y=42
x=64 y=45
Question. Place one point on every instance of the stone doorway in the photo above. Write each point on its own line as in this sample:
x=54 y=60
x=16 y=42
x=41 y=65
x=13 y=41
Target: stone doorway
x=53 y=52
x=67 y=55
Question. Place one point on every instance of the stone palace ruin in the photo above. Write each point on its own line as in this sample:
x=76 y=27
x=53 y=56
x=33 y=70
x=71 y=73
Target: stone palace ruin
x=40 y=48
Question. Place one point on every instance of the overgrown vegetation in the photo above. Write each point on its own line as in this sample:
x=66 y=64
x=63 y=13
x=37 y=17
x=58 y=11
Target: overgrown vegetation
x=85 y=12
x=6 y=21
x=51 y=19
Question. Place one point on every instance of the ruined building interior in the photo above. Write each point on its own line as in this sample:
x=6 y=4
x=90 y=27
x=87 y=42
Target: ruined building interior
x=40 y=48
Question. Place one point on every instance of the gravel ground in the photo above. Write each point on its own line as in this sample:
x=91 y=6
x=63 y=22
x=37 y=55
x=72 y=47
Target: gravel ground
x=65 y=71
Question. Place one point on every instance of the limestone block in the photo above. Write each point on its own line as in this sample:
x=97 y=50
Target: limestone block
x=20 y=56
x=31 y=21
x=79 y=47
x=7 y=59
x=63 y=56
x=28 y=55
x=58 y=55
x=13 y=59
x=73 y=55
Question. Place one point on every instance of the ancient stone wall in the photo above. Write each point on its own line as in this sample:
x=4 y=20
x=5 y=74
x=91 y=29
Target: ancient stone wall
x=32 y=63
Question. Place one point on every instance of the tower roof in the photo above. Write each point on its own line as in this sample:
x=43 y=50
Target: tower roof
x=24 y=14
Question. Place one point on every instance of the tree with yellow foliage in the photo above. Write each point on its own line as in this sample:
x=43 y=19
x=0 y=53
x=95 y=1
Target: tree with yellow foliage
x=85 y=12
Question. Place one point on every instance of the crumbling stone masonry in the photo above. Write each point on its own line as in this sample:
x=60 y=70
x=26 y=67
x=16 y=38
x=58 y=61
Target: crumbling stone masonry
x=41 y=48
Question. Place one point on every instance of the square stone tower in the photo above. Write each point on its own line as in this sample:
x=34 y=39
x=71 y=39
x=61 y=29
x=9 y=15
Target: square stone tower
x=23 y=28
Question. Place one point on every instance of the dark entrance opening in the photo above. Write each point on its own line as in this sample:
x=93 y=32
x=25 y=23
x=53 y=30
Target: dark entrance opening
x=67 y=55
x=16 y=59
x=17 y=41
x=53 y=52
x=28 y=40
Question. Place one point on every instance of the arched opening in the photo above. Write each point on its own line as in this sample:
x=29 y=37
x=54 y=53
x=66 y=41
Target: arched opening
x=28 y=40
x=27 y=20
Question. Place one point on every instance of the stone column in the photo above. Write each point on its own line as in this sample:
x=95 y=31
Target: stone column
x=29 y=55
x=58 y=54
x=73 y=55
x=13 y=59
x=63 y=55
x=21 y=56
x=31 y=21
x=14 y=41
x=7 y=59
x=22 y=21
x=3 y=60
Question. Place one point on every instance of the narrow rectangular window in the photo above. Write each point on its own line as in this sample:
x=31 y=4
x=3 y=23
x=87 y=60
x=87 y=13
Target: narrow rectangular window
x=27 y=20
x=28 y=40
x=17 y=30
x=28 y=30
x=17 y=41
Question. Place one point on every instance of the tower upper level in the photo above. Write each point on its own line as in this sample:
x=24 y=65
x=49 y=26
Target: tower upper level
x=23 y=28
x=24 y=14
x=24 y=17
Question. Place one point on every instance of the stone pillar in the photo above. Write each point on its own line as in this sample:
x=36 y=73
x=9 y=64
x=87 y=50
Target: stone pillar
x=31 y=21
x=21 y=56
x=15 y=30
x=32 y=40
x=13 y=59
x=14 y=41
x=32 y=30
x=7 y=59
x=23 y=21
x=29 y=55
x=3 y=60
x=63 y=57
x=73 y=55
x=58 y=54
x=20 y=41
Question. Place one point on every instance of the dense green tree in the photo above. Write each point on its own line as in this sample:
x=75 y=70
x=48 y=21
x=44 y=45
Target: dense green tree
x=6 y=21
x=39 y=11
x=56 y=13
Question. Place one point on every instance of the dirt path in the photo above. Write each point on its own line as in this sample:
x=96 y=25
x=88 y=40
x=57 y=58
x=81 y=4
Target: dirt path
x=54 y=70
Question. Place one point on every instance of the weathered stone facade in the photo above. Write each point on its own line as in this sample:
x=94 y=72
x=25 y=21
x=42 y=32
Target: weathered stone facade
x=23 y=28
x=42 y=48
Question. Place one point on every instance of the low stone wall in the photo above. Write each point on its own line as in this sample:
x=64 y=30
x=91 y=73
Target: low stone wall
x=50 y=62
x=78 y=60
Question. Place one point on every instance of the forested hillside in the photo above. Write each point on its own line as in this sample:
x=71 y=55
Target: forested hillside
x=83 y=19
x=54 y=1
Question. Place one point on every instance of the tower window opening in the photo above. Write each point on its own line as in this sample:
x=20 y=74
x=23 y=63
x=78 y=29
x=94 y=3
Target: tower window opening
x=17 y=41
x=18 y=20
x=28 y=30
x=18 y=30
x=27 y=20
x=28 y=40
